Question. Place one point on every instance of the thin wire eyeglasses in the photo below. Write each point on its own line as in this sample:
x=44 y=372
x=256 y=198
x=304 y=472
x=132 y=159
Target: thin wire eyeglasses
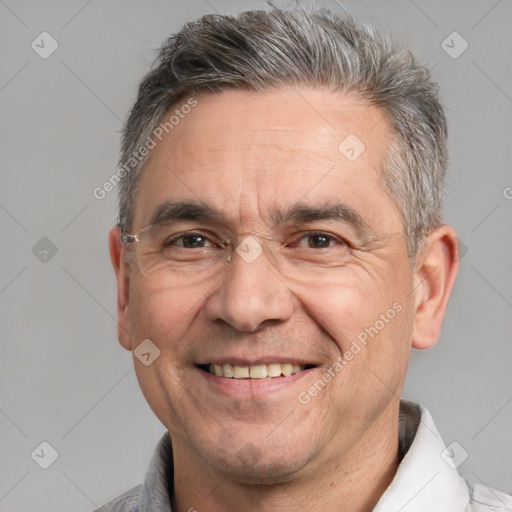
x=155 y=247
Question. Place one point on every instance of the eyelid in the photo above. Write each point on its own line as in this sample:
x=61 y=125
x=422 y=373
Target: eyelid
x=218 y=241
x=300 y=236
x=212 y=239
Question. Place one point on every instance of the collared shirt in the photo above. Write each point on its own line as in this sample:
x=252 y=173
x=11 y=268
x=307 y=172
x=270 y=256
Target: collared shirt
x=426 y=481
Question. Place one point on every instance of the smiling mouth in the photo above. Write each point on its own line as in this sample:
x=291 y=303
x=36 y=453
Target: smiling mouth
x=260 y=371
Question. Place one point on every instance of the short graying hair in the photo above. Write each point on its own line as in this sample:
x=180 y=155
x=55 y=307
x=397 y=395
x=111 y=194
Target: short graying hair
x=263 y=50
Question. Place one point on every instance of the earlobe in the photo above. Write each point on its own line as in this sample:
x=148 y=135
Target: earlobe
x=123 y=287
x=434 y=277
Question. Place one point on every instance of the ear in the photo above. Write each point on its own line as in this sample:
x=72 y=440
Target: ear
x=434 y=275
x=122 y=270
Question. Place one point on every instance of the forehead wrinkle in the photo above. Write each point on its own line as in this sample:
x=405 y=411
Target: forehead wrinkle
x=173 y=211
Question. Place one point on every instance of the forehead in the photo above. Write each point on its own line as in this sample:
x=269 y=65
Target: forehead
x=242 y=150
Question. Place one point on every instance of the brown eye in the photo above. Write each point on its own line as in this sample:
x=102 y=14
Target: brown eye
x=189 y=241
x=193 y=241
x=319 y=241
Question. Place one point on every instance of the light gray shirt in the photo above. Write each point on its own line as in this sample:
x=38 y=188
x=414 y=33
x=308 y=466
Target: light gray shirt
x=426 y=481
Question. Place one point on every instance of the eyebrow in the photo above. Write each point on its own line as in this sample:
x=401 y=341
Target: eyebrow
x=171 y=211
x=299 y=213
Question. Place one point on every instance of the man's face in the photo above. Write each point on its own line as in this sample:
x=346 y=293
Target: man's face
x=323 y=282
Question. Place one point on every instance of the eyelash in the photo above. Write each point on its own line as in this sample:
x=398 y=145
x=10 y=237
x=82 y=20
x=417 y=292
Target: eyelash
x=304 y=236
x=181 y=236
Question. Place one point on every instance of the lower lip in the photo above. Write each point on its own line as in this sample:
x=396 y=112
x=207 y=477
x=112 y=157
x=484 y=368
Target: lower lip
x=249 y=388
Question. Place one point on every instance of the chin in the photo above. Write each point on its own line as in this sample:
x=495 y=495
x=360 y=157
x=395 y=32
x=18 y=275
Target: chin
x=253 y=465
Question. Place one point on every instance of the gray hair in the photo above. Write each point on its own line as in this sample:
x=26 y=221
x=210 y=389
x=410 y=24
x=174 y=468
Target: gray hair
x=259 y=51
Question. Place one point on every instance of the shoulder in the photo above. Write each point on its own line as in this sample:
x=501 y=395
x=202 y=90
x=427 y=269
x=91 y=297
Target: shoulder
x=127 y=502
x=486 y=499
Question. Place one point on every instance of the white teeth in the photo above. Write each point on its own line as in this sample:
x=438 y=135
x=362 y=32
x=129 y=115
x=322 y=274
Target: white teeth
x=274 y=370
x=260 y=371
x=241 y=372
x=228 y=370
x=287 y=369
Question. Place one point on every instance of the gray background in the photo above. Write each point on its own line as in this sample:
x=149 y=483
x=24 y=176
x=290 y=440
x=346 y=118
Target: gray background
x=64 y=378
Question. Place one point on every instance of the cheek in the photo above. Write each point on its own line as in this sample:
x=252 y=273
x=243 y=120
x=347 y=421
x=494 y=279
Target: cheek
x=346 y=307
x=368 y=314
x=164 y=315
x=161 y=312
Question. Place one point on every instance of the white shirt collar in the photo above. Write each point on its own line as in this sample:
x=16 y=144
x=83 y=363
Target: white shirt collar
x=425 y=481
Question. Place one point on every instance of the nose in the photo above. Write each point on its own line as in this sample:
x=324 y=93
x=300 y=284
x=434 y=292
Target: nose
x=250 y=294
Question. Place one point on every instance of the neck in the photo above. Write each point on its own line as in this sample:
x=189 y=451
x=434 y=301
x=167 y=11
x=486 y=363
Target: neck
x=354 y=480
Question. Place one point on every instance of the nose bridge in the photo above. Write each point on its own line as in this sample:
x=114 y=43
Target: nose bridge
x=251 y=245
x=252 y=292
